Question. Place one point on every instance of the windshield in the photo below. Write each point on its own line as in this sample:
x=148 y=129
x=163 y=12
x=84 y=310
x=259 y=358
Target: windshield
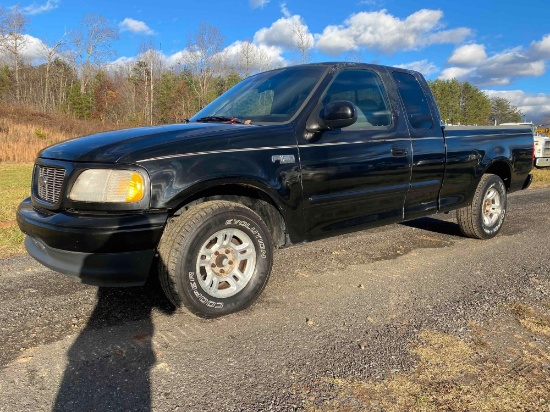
x=269 y=97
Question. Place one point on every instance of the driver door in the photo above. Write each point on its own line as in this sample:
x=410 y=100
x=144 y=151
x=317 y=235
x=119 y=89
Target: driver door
x=357 y=176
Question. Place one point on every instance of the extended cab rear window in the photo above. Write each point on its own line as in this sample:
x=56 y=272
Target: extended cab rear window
x=415 y=101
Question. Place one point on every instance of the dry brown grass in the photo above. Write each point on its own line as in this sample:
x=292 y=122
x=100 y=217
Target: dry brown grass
x=541 y=177
x=24 y=132
x=502 y=369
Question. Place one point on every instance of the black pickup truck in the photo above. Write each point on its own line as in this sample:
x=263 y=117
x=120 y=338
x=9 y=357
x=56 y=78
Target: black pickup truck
x=286 y=156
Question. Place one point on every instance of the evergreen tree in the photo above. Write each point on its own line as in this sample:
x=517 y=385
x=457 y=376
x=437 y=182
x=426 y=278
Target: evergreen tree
x=80 y=104
x=5 y=80
x=461 y=102
x=502 y=111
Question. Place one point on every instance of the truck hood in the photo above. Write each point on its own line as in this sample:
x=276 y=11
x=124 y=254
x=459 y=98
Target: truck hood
x=132 y=145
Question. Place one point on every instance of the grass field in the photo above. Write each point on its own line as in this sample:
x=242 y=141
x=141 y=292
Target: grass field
x=15 y=186
x=24 y=132
x=541 y=177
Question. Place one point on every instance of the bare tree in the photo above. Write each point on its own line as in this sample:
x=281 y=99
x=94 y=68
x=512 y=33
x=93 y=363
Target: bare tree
x=252 y=59
x=49 y=54
x=153 y=66
x=205 y=58
x=3 y=29
x=93 y=45
x=246 y=58
x=12 y=26
x=303 y=40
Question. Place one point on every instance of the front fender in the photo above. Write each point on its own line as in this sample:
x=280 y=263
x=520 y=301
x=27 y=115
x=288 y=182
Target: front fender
x=175 y=180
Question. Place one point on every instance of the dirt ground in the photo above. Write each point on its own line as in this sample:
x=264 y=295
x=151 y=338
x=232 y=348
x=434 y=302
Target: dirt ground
x=405 y=317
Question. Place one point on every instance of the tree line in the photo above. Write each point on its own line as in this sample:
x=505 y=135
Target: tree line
x=73 y=75
x=464 y=104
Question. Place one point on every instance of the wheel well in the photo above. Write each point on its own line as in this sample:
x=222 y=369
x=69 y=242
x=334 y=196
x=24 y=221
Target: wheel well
x=502 y=170
x=250 y=197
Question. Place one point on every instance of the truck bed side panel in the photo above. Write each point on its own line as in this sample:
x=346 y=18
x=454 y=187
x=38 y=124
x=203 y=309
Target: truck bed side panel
x=471 y=150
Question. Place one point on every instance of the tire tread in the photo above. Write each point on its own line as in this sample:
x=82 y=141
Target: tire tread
x=467 y=216
x=175 y=238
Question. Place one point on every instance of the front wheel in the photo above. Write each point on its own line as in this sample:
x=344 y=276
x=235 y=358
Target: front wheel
x=483 y=219
x=215 y=258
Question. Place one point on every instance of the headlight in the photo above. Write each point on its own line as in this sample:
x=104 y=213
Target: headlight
x=110 y=186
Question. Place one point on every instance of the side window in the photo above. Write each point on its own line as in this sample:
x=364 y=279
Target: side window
x=414 y=99
x=365 y=90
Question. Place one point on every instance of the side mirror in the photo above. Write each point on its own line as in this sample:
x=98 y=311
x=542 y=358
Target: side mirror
x=335 y=115
x=339 y=114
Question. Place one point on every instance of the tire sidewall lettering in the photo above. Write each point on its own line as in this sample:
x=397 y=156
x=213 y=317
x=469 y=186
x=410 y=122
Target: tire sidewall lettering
x=263 y=265
x=254 y=231
x=202 y=299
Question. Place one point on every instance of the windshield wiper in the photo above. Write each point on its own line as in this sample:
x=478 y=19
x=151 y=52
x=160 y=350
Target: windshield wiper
x=222 y=119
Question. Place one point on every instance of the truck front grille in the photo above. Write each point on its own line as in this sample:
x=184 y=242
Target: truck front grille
x=49 y=181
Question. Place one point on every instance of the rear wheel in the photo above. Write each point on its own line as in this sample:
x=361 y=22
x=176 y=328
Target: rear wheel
x=215 y=258
x=483 y=219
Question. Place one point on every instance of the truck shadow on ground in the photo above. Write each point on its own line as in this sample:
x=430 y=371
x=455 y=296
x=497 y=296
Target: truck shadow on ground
x=435 y=225
x=109 y=369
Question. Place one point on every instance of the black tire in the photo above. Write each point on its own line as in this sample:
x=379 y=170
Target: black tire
x=191 y=239
x=483 y=219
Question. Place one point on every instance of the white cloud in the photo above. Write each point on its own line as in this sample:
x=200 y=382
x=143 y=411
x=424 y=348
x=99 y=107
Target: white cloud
x=135 y=26
x=535 y=106
x=387 y=34
x=423 y=66
x=501 y=68
x=285 y=10
x=122 y=62
x=468 y=55
x=285 y=33
x=262 y=57
x=32 y=50
x=455 y=73
x=541 y=48
x=176 y=58
x=257 y=3
x=165 y=61
x=37 y=9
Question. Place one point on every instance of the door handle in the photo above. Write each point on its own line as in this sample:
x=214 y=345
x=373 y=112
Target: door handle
x=399 y=151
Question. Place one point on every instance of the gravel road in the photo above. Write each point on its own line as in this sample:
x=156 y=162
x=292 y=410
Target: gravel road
x=347 y=307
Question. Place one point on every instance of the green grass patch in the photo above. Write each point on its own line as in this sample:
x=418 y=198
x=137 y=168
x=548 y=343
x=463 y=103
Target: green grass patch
x=15 y=185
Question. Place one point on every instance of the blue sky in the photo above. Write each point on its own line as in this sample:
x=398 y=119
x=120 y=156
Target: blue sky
x=501 y=47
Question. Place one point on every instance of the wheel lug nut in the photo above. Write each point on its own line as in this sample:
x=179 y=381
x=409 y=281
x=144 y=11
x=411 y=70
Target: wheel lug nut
x=227 y=251
x=230 y=262
x=213 y=265
x=222 y=271
x=216 y=253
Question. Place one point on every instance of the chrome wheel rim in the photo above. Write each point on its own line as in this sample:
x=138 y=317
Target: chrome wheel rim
x=492 y=207
x=226 y=263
